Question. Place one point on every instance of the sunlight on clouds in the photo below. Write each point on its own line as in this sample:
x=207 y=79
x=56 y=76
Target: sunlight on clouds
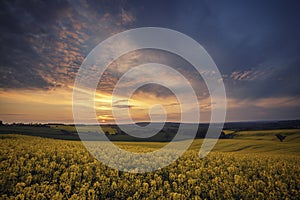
x=36 y=106
x=51 y=97
x=264 y=102
x=280 y=102
x=56 y=105
x=105 y=117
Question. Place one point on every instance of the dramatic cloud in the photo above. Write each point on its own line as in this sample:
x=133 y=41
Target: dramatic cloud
x=254 y=44
x=44 y=43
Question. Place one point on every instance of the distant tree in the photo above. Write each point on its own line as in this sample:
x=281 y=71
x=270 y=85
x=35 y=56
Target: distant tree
x=167 y=135
x=122 y=132
x=1 y=123
x=280 y=137
x=223 y=135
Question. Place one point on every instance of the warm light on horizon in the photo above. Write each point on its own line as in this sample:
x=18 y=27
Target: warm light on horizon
x=56 y=106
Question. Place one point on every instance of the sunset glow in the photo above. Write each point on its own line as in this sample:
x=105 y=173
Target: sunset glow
x=41 y=54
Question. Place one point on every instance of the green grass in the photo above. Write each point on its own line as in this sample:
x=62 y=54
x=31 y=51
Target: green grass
x=256 y=142
x=91 y=128
x=30 y=130
x=245 y=142
x=64 y=132
x=263 y=141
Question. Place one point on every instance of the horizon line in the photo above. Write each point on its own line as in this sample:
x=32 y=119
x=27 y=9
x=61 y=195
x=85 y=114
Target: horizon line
x=67 y=123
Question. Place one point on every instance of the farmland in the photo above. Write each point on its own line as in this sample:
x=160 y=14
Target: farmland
x=254 y=164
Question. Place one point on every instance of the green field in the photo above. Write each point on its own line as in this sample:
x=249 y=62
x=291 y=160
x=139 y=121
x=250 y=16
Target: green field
x=64 y=132
x=72 y=129
x=252 y=165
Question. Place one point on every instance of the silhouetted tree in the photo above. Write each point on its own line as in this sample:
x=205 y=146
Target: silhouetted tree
x=280 y=137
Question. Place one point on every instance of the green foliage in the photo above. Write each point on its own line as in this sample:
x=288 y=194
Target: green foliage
x=39 y=168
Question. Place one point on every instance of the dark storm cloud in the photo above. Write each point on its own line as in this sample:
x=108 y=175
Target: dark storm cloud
x=22 y=24
x=255 y=44
x=240 y=36
x=43 y=43
x=267 y=82
x=135 y=58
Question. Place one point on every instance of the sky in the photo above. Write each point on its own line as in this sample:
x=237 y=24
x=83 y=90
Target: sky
x=255 y=45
